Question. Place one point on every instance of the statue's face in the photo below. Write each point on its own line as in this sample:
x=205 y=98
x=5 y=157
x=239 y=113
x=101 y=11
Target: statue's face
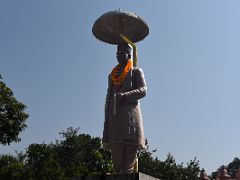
x=123 y=53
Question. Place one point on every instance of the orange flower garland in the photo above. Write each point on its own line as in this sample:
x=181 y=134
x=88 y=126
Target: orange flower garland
x=118 y=80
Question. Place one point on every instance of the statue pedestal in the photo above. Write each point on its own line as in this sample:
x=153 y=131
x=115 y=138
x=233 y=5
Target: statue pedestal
x=133 y=176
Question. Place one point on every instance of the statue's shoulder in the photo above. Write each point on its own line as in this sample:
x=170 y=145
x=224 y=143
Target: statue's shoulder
x=137 y=70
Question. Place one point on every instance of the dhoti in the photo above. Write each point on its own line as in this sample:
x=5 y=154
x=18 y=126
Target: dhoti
x=123 y=157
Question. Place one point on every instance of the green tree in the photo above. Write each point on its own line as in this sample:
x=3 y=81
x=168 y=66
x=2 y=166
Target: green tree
x=81 y=154
x=167 y=169
x=12 y=115
x=42 y=162
x=11 y=167
x=192 y=170
x=73 y=155
x=233 y=167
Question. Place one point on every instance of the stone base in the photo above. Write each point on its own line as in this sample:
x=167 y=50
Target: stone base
x=133 y=176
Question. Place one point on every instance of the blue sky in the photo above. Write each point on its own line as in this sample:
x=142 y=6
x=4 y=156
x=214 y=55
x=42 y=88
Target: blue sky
x=54 y=65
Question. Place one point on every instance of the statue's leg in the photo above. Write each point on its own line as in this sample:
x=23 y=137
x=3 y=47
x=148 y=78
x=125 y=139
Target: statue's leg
x=117 y=151
x=130 y=155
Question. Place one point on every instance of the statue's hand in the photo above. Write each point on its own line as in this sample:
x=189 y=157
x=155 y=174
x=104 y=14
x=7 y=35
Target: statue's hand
x=120 y=97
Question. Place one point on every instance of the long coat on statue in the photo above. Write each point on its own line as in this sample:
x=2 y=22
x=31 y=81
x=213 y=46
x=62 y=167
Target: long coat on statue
x=123 y=120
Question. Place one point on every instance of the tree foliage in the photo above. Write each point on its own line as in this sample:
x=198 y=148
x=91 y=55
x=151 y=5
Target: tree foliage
x=41 y=161
x=11 y=167
x=73 y=155
x=167 y=169
x=12 y=115
x=233 y=167
x=76 y=154
x=82 y=154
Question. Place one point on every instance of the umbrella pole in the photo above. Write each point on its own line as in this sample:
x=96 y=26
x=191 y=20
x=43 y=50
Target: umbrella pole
x=134 y=56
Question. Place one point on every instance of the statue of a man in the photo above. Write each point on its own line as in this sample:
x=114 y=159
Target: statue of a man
x=123 y=126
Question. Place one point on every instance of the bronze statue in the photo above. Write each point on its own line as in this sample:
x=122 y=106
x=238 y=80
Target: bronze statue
x=123 y=126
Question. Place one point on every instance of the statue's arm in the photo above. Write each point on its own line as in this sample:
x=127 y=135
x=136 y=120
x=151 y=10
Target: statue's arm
x=107 y=110
x=108 y=96
x=139 y=85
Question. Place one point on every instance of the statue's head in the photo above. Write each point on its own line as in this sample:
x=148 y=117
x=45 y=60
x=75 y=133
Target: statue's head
x=124 y=51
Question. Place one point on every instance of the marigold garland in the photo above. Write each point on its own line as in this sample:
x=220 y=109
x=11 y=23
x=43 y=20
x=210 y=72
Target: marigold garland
x=118 y=79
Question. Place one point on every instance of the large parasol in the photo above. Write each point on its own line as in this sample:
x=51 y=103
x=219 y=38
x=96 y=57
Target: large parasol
x=110 y=25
